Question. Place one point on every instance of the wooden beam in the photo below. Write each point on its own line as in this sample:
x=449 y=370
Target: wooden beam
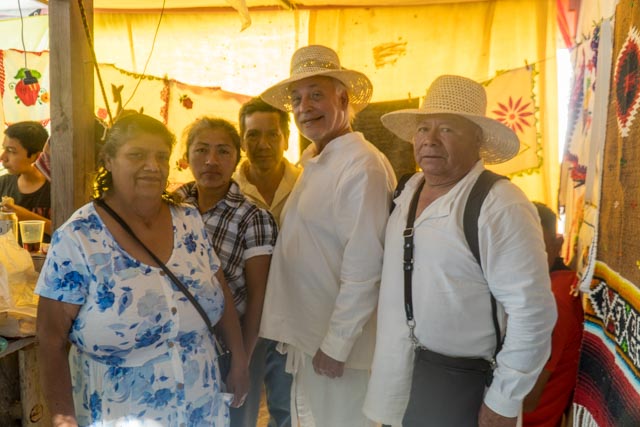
x=72 y=134
x=35 y=412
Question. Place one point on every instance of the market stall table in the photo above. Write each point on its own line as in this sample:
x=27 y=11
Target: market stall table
x=21 y=399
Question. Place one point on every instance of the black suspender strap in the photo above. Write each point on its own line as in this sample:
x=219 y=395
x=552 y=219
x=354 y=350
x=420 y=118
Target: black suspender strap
x=474 y=205
x=471 y=214
x=472 y=209
x=401 y=183
x=408 y=262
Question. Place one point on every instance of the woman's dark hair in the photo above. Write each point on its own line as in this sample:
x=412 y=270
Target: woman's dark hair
x=192 y=131
x=124 y=129
x=548 y=218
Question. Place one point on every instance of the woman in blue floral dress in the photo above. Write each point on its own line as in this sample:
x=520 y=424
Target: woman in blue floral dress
x=140 y=352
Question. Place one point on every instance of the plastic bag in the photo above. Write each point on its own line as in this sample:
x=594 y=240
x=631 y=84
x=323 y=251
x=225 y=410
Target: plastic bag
x=18 y=303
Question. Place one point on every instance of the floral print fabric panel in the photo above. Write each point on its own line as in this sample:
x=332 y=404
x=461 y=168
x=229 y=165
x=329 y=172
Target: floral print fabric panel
x=510 y=100
x=24 y=101
x=140 y=351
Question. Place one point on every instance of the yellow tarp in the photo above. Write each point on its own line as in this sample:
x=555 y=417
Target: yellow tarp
x=401 y=49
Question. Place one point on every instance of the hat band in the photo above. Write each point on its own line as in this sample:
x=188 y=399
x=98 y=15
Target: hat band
x=454 y=106
x=313 y=65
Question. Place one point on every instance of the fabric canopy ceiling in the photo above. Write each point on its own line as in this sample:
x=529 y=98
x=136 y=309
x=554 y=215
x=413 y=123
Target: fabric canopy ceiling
x=400 y=48
x=186 y=4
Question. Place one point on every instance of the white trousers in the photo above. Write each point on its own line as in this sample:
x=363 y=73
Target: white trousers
x=320 y=401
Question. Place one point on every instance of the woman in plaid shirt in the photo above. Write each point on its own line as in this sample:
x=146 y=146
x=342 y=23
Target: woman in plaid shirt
x=242 y=235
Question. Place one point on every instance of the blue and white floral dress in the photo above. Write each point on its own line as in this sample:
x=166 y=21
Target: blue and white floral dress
x=141 y=354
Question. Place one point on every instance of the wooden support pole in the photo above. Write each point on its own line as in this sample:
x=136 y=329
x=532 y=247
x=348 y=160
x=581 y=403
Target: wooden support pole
x=72 y=122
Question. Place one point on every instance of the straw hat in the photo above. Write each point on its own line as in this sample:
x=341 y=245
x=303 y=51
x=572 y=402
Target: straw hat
x=463 y=97
x=316 y=60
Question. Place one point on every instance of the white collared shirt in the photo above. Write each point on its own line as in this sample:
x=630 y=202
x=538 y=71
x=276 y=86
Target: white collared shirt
x=325 y=272
x=451 y=298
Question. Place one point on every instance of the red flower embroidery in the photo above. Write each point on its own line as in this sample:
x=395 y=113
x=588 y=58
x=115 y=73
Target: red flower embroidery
x=514 y=115
x=182 y=164
x=186 y=102
x=578 y=172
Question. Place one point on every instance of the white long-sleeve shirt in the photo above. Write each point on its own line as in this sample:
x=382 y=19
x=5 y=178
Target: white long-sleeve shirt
x=451 y=298
x=325 y=272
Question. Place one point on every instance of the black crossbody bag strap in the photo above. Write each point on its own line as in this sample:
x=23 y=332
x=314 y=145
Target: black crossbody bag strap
x=164 y=268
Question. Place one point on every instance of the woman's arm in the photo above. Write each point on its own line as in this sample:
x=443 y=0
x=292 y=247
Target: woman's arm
x=256 y=271
x=54 y=322
x=229 y=325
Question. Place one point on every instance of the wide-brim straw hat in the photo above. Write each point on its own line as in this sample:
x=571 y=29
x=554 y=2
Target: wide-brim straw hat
x=316 y=60
x=463 y=97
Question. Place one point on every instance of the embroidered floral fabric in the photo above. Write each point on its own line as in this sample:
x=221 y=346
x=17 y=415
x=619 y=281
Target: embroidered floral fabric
x=140 y=351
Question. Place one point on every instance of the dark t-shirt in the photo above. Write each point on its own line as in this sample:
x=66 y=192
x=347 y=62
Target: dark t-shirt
x=38 y=202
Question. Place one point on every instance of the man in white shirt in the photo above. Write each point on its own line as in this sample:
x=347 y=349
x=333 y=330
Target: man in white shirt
x=451 y=291
x=325 y=272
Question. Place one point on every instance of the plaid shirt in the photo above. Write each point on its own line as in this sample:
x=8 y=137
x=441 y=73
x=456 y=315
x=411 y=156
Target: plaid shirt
x=238 y=230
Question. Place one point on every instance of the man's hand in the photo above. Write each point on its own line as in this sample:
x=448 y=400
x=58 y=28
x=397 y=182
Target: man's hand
x=7 y=204
x=59 y=420
x=489 y=418
x=325 y=365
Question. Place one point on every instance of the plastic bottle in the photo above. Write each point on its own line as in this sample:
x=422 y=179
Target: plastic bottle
x=9 y=221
